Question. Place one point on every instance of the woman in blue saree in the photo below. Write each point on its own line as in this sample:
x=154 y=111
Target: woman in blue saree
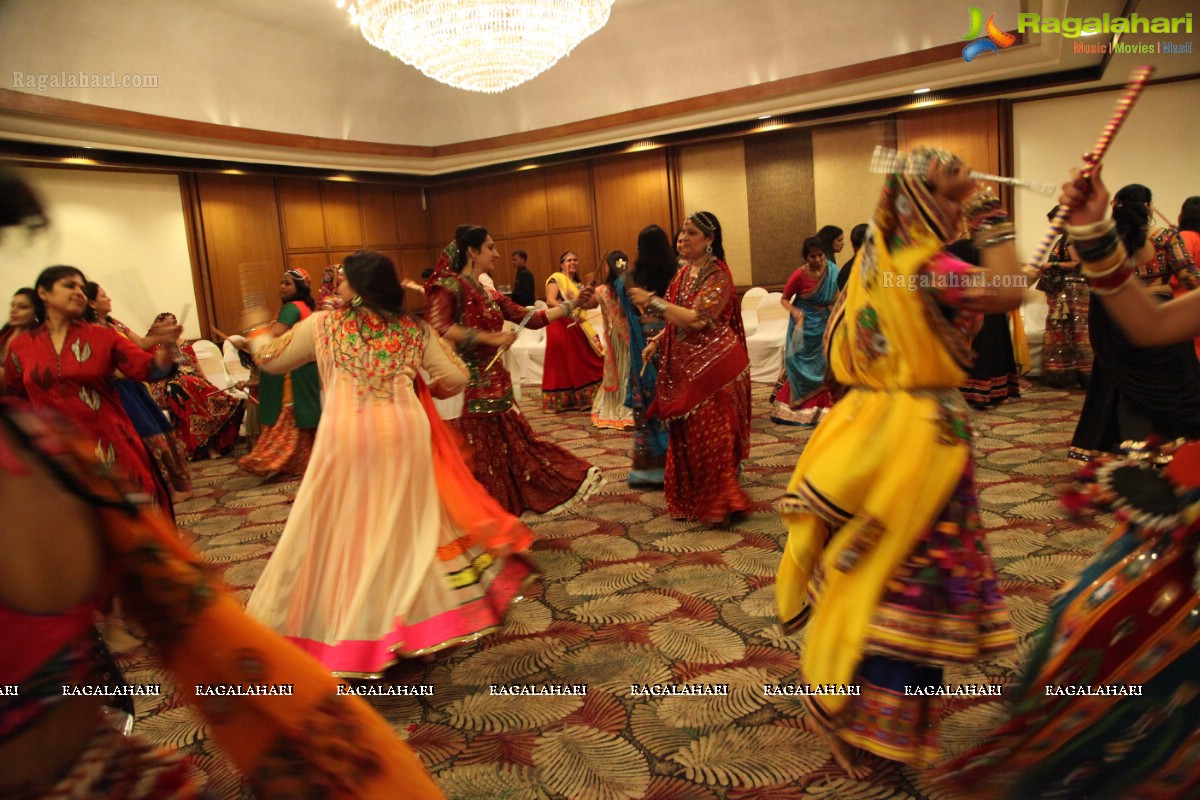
x=800 y=396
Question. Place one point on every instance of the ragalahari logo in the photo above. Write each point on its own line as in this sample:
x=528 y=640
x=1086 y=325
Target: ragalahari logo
x=994 y=41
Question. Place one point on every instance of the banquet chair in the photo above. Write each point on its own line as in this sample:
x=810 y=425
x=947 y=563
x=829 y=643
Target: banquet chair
x=767 y=344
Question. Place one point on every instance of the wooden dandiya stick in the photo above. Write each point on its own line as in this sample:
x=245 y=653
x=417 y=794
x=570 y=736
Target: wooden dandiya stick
x=1133 y=89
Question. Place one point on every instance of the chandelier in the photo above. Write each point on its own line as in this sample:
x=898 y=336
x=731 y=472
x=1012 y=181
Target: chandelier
x=479 y=45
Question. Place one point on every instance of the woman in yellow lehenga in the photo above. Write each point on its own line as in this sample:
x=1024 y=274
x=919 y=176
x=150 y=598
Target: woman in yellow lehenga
x=884 y=538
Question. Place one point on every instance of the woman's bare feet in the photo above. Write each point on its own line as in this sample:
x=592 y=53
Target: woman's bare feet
x=845 y=755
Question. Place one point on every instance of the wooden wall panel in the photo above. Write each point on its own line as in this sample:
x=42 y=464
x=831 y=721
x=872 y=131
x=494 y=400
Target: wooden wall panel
x=525 y=208
x=300 y=209
x=412 y=262
x=412 y=217
x=969 y=131
x=781 y=202
x=313 y=263
x=340 y=210
x=378 y=205
x=447 y=210
x=239 y=221
x=569 y=196
x=581 y=243
x=631 y=193
x=485 y=205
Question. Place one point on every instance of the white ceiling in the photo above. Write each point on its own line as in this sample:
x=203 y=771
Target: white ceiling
x=298 y=67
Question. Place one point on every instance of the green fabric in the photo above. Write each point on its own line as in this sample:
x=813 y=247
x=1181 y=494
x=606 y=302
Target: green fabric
x=306 y=386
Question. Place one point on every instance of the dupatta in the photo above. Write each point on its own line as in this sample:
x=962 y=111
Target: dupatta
x=698 y=364
x=569 y=290
x=804 y=360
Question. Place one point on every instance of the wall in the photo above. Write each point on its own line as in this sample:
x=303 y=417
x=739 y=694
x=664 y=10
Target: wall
x=713 y=177
x=125 y=230
x=1156 y=147
x=845 y=191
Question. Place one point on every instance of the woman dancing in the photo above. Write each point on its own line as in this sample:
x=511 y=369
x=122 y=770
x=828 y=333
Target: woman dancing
x=609 y=409
x=206 y=419
x=289 y=404
x=885 y=558
x=164 y=447
x=1136 y=392
x=392 y=549
x=653 y=270
x=521 y=471
x=1132 y=619
x=703 y=391
x=800 y=396
x=67 y=364
x=22 y=316
x=574 y=365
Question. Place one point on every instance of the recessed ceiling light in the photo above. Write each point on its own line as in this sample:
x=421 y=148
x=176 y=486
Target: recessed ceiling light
x=926 y=90
x=765 y=116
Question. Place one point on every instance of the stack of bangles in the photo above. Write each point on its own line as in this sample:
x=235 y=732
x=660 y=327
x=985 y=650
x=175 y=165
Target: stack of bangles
x=568 y=307
x=988 y=220
x=657 y=305
x=1101 y=255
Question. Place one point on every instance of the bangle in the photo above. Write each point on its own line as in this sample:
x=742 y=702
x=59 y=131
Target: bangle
x=568 y=307
x=468 y=341
x=993 y=235
x=1114 y=281
x=658 y=305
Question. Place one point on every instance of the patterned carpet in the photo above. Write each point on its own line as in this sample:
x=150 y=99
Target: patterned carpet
x=629 y=596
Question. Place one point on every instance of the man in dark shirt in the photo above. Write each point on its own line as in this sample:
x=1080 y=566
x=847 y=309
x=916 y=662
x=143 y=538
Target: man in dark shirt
x=523 y=283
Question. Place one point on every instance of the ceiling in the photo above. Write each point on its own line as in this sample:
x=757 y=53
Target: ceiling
x=291 y=82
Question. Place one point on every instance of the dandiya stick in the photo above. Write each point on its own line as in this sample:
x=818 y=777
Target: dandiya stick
x=1133 y=89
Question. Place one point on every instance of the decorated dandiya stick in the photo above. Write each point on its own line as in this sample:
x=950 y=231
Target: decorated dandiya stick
x=886 y=159
x=504 y=349
x=1133 y=89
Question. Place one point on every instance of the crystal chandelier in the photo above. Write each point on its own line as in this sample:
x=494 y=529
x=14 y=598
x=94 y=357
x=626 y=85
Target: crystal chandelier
x=479 y=45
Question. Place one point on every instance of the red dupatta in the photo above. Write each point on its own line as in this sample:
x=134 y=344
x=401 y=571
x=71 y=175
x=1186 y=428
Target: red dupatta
x=698 y=364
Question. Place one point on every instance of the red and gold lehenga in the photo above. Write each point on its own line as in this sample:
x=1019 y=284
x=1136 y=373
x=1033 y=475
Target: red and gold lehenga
x=703 y=395
x=574 y=367
x=521 y=471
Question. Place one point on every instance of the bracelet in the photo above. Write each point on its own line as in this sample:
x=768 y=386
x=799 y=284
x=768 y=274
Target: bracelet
x=567 y=306
x=657 y=305
x=1114 y=281
x=992 y=235
x=468 y=340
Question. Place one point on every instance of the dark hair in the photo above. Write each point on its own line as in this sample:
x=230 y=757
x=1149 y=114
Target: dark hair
x=709 y=225
x=467 y=236
x=1131 y=212
x=858 y=235
x=810 y=243
x=18 y=204
x=656 y=262
x=827 y=235
x=373 y=277
x=47 y=279
x=1189 y=215
x=611 y=258
x=303 y=292
x=521 y=253
x=33 y=298
x=426 y=273
x=91 y=290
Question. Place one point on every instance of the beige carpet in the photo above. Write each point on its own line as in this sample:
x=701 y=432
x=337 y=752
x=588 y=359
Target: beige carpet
x=627 y=597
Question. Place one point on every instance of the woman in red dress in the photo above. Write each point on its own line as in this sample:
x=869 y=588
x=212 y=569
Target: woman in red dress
x=67 y=364
x=704 y=379
x=574 y=365
x=521 y=471
x=21 y=317
x=206 y=419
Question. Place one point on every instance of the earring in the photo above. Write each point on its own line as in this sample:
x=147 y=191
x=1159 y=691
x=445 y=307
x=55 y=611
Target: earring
x=708 y=249
x=356 y=301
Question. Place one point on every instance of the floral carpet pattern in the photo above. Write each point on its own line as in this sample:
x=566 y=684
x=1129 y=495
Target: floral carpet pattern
x=629 y=597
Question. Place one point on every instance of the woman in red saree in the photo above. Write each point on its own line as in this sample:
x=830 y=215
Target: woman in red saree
x=67 y=364
x=521 y=471
x=704 y=379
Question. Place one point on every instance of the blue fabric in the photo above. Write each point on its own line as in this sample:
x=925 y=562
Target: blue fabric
x=147 y=418
x=650 y=435
x=804 y=356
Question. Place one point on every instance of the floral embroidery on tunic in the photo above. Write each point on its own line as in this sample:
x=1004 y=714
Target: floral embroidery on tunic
x=373 y=349
x=868 y=337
